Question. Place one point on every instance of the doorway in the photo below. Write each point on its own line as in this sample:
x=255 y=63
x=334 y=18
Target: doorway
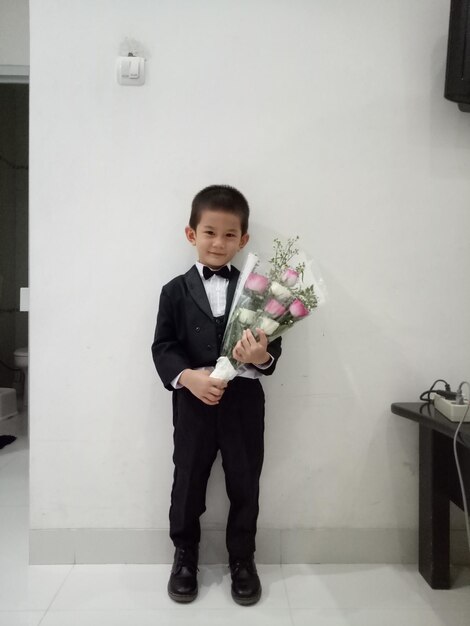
x=14 y=139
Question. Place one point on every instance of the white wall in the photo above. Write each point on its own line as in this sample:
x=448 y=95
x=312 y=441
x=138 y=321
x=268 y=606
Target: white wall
x=330 y=117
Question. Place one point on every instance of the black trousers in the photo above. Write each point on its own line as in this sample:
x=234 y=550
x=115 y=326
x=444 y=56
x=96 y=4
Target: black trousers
x=235 y=427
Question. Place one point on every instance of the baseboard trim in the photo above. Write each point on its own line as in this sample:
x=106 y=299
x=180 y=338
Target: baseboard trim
x=324 y=545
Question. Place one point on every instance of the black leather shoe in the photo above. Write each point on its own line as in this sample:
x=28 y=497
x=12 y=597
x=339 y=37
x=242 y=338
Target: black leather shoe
x=182 y=586
x=246 y=586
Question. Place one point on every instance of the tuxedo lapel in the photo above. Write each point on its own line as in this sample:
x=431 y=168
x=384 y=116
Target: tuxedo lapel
x=197 y=291
x=232 y=285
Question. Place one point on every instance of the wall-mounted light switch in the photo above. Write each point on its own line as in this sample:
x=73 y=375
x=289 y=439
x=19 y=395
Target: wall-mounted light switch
x=24 y=299
x=130 y=70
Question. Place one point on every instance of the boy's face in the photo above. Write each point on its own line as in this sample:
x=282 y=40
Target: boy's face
x=218 y=237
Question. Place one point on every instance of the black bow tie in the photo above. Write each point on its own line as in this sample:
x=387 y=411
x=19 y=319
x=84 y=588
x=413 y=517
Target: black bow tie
x=223 y=272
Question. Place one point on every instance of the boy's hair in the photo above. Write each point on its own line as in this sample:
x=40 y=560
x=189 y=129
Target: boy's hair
x=220 y=198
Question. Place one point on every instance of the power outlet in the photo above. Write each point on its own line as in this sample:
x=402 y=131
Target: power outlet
x=450 y=409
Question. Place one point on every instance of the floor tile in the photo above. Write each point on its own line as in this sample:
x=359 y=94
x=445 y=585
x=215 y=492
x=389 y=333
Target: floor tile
x=388 y=617
x=18 y=427
x=20 y=618
x=14 y=524
x=252 y=616
x=457 y=597
x=14 y=480
x=114 y=587
x=131 y=587
x=215 y=585
x=32 y=588
x=19 y=449
x=4 y=457
x=367 y=586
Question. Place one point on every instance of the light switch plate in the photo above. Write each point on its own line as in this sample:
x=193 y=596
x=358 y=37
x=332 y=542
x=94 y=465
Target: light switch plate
x=24 y=299
x=130 y=70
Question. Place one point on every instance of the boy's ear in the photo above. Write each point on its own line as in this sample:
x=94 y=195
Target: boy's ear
x=244 y=240
x=190 y=235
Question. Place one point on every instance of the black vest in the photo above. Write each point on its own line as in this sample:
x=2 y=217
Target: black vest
x=220 y=328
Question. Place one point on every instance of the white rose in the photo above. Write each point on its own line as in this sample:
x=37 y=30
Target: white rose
x=280 y=291
x=268 y=325
x=246 y=316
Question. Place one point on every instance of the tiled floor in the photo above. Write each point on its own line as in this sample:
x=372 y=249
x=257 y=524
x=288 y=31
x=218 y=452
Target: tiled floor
x=135 y=595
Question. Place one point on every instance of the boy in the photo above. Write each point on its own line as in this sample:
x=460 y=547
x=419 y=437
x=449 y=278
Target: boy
x=208 y=414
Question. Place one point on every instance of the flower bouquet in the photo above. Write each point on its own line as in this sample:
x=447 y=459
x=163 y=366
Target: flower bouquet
x=272 y=301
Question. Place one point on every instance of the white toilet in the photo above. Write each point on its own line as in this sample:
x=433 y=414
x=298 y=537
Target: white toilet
x=20 y=358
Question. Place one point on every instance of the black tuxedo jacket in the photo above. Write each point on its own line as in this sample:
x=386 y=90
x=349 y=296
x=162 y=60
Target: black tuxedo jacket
x=187 y=335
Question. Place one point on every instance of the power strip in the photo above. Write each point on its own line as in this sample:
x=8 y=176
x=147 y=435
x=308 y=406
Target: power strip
x=450 y=409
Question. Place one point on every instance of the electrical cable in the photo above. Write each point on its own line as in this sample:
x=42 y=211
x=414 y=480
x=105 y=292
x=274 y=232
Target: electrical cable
x=459 y=471
x=426 y=395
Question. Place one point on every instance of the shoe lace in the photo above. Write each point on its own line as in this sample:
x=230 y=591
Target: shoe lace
x=186 y=558
x=240 y=564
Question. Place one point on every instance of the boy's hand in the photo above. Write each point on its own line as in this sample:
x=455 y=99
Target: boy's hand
x=208 y=390
x=248 y=350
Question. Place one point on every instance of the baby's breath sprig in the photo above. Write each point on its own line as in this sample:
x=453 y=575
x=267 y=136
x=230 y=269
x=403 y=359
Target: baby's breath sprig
x=300 y=270
x=308 y=297
x=283 y=253
x=281 y=260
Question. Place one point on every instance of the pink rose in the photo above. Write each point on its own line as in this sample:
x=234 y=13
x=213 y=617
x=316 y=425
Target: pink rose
x=298 y=309
x=274 y=308
x=290 y=277
x=257 y=283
